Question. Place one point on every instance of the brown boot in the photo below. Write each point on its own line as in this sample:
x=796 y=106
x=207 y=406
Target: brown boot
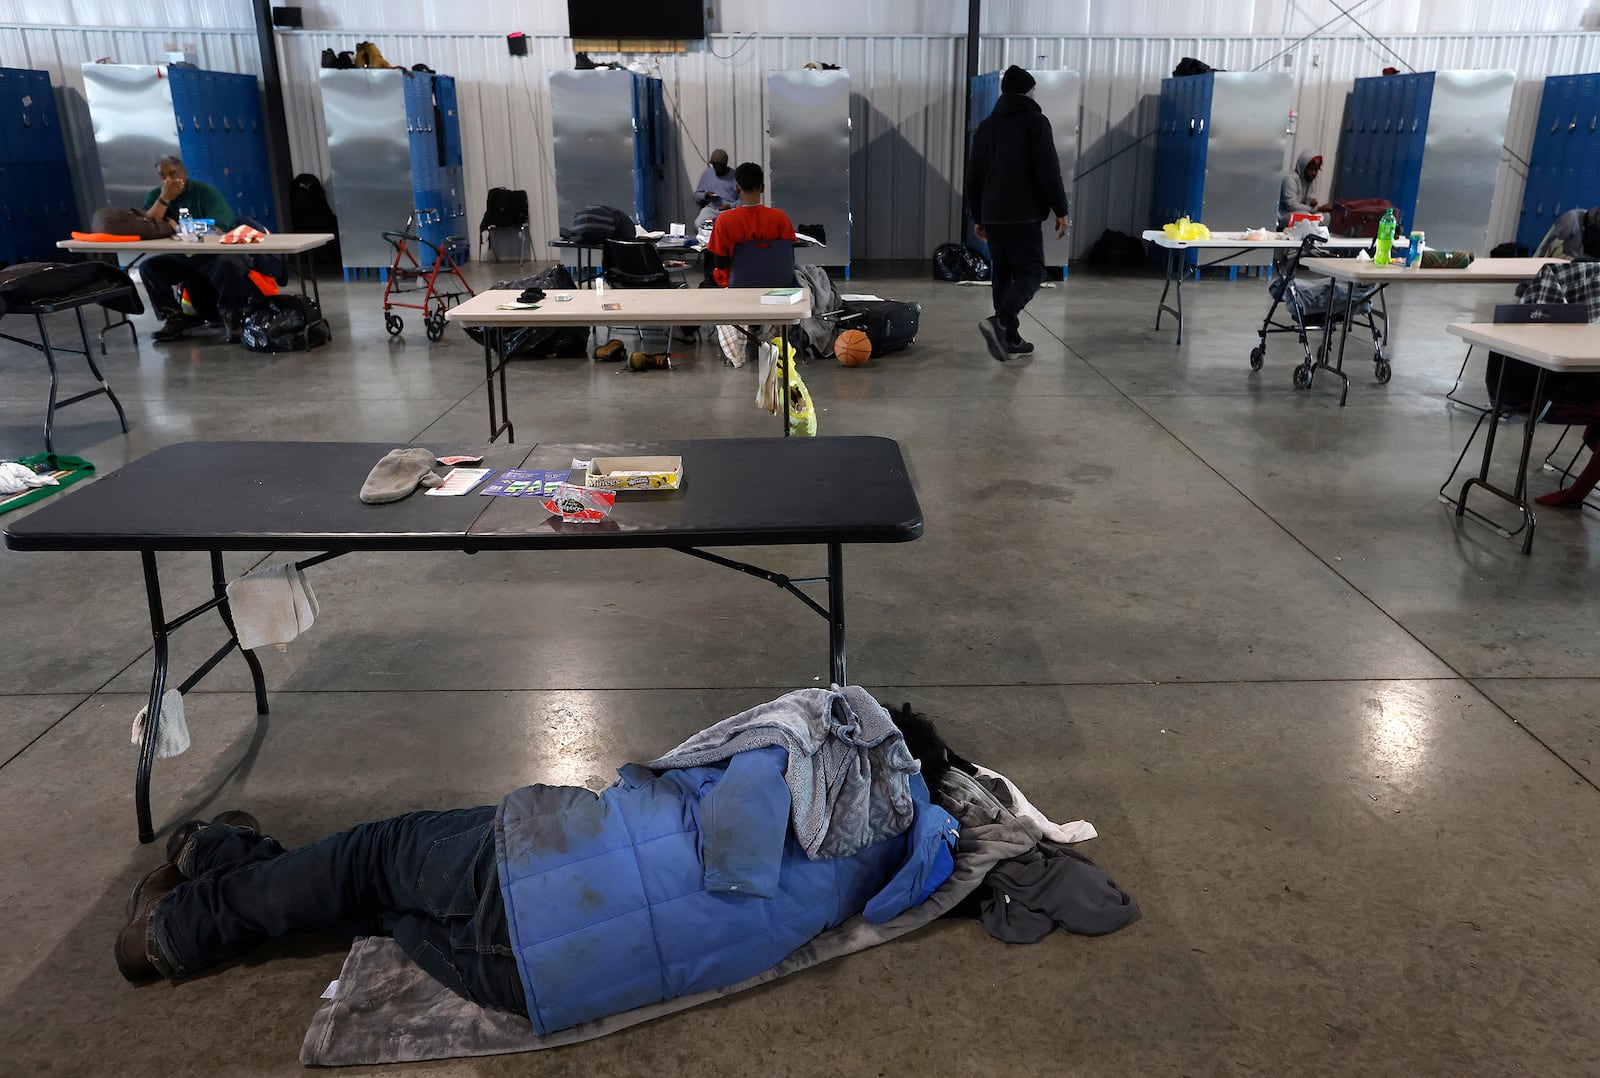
x=652 y=361
x=132 y=948
x=613 y=351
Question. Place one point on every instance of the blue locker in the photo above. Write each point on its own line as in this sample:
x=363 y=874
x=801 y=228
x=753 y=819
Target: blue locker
x=37 y=206
x=1564 y=164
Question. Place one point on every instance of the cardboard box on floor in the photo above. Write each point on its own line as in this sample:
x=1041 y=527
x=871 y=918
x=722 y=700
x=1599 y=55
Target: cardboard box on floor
x=635 y=473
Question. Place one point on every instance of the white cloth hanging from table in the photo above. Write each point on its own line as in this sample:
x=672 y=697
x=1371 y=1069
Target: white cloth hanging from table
x=271 y=605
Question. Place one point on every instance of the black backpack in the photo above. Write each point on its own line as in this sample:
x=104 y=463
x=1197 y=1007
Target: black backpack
x=309 y=212
x=504 y=208
x=283 y=323
x=595 y=223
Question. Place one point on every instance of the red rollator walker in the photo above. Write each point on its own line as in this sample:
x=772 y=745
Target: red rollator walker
x=407 y=277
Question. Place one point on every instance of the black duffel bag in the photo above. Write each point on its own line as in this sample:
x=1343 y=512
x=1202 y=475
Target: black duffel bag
x=283 y=323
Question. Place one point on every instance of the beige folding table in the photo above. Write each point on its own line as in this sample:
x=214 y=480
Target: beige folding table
x=616 y=306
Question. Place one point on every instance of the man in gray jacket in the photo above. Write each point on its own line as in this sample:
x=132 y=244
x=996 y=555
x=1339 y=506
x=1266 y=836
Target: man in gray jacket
x=1013 y=182
x=1294 y=195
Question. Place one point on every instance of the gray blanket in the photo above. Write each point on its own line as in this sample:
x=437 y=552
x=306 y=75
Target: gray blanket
x=386 y=1010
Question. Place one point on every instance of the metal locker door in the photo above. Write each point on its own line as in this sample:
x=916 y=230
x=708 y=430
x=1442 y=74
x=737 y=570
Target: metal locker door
x=13 y=88
x=369 y=158
x=808 y=147
x=591 y=117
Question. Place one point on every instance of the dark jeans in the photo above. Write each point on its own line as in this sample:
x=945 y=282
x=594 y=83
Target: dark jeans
x=428 y=879
x=215 y=283
x=1016 y=260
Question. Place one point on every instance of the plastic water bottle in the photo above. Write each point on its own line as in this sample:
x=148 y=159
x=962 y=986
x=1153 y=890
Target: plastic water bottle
x=185 y=225
x=1386 y=228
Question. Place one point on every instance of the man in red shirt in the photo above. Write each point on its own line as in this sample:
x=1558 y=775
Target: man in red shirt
x=749 y=220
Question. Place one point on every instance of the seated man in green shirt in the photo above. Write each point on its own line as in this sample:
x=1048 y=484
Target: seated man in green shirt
x=218 y=286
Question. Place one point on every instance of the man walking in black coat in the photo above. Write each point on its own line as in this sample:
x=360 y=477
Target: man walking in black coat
x=1013 y=182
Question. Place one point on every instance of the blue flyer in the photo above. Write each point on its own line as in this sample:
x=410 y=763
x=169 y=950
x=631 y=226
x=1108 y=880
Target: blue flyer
x=525 y=483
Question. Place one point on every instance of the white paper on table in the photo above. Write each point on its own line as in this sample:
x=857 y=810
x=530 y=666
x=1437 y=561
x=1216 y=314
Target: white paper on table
x=458 y=481
x=863 y=298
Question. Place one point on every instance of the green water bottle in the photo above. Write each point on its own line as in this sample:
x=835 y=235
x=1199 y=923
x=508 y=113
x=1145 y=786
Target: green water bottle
x=1386 y=228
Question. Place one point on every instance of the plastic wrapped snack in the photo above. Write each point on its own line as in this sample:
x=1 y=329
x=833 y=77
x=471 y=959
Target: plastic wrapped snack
x=577 y=504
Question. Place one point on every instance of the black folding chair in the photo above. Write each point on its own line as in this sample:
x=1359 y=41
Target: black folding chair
x=635 y=264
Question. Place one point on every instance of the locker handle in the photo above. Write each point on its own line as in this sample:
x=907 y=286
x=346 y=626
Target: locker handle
x=225 y=126
x=1573 y=126
x=180 y=125
x=1191 y=125
x=1202 y=126
x=27 y=121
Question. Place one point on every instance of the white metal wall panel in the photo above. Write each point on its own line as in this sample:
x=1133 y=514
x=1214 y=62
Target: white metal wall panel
x=907 y=103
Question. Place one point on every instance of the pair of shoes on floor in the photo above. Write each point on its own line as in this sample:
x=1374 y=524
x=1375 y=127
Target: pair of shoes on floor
x=133 y=949
x=177 y=326
x=1000 y=346
x=184 y=832
x=613 y=351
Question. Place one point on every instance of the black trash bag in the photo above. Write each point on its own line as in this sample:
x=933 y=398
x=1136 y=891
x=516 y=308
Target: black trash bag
x=1190 y=66
x=958 y=262
x=538 y=342
x=1117 y=249
x=283 y=323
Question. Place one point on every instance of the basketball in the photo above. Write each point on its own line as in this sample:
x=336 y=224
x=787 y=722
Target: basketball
x=852 y=348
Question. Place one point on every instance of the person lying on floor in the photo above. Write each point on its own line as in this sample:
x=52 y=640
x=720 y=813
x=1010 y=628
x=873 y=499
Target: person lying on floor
x=690 y=873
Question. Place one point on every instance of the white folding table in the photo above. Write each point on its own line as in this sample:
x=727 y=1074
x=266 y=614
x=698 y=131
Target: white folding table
x=1233 y=242
x=1558 y=349
x=292 y=245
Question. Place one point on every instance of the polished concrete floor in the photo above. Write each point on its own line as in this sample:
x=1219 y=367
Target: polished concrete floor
x=1342 y=747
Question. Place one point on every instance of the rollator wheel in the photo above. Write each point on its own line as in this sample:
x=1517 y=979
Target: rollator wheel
x=436 y=326
x=1302 y=378
x=1257 y=355
x=1383 y=372
x=394 y=324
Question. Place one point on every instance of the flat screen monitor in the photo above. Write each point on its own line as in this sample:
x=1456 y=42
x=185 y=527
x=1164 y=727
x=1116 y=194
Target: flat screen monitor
x=636 y=18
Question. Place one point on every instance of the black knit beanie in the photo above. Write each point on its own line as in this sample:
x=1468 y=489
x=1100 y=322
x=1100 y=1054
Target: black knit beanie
x=1015 y=81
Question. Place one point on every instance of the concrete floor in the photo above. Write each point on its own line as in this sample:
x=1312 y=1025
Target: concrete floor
x=1342 y=748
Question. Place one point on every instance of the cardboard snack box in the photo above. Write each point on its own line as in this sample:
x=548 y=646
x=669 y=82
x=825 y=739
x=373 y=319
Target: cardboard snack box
x=635 y=473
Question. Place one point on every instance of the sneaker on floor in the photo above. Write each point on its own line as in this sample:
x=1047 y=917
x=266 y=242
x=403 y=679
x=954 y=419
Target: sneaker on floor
x=1019 y=347
x=177 y=326
x=232 y=327
x=994 y=338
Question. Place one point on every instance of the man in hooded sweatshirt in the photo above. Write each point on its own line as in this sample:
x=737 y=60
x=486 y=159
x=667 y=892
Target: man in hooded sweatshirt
x=1295 y=194
x=1013 y=183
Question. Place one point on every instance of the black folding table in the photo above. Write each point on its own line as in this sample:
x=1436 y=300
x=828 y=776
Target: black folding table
x=220 y=496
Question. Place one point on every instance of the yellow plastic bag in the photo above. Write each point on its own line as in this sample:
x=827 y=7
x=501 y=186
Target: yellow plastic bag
x=1185 y=229
x=802 y=414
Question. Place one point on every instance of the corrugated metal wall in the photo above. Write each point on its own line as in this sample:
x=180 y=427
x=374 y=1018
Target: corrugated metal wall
x=907 y=105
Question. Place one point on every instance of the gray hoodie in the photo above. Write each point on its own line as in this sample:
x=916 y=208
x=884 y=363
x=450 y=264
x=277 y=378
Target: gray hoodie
x=1295 y=194
x=848 y=772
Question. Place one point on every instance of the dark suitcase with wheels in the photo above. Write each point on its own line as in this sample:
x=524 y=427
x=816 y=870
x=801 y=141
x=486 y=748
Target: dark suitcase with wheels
x=889 y=325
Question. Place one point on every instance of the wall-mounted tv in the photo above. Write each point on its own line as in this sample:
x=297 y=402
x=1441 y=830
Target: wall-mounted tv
x=636 y=18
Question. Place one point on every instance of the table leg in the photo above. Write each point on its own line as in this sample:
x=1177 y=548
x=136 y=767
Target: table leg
x=1517 y=496
x=158 y=686
x=1174 y=283
x=105 y=387
x=55 y=382
x=836 y=613
x=783 y=355
x=493 y=335
x=219 y=591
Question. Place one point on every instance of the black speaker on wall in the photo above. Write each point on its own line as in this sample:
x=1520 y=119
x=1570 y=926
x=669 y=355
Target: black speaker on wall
x=517 y=43
x=289 y=17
